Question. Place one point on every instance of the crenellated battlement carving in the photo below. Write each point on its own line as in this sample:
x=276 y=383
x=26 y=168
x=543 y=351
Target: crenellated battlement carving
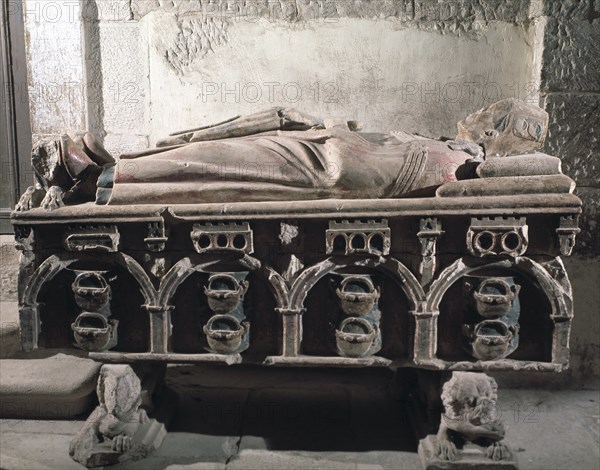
x=92 y=238
x=494 y=236
x=233 y=236
x=350 y=237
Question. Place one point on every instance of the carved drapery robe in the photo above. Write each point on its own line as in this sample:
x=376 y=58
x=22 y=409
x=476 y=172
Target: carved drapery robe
x=283 y=165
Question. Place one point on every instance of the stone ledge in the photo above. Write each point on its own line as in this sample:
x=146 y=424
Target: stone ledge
x=470 y=457
x=308 y=209
x=9 y=329
x=9 y=259
x=49 y=385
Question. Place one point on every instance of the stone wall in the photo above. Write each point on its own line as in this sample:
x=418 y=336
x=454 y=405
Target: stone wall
x=133 y=71
x=570 y=92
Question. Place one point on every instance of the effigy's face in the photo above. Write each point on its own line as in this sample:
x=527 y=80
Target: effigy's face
x=529 y=128
x=508 y=127
x=520 y=131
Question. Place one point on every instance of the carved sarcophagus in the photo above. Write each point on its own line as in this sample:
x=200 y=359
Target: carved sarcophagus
x=441 y=283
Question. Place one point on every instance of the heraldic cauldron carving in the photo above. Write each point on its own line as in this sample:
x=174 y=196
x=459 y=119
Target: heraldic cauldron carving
x=287 y=240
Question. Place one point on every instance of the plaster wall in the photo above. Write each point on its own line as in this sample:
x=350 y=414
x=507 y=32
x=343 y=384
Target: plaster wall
x=151 y=67
x=56 y=78
x=208 y=64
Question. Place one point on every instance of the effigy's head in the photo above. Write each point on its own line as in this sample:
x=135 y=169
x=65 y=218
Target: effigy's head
x=47 y=162
x=507 y=127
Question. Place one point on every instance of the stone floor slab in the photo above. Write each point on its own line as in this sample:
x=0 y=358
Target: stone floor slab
x=213 y=429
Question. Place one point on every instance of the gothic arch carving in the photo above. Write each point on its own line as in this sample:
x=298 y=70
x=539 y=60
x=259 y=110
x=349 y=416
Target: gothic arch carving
x=530 y=268
x=391 y=266
x=184 y=268
x=55 y=263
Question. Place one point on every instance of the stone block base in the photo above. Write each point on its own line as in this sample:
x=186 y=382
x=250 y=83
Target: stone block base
x=147 y=439
x=471 y=457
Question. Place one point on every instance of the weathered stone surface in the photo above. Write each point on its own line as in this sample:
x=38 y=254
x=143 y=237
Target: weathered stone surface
x=447 y=14
x=348 y=68
x=197 y=37
x=573 y=135
x=9 y=258
x=117 y=143
x=92 y=65
x=57 y=386
x=9 y=329
x=124 y=78
x=56 y=81
x=570 y=57
x=584 y=273
x=119 y=11
x=566 y=9
x=588 y=240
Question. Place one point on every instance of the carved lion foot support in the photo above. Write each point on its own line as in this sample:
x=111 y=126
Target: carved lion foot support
x=118 y=429
x=470 y=434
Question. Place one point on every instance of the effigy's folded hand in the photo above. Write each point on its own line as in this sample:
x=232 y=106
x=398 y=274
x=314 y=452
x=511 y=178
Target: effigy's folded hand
x=297 y=120
x=31 y=198
x=53 y=199
x=469 y=147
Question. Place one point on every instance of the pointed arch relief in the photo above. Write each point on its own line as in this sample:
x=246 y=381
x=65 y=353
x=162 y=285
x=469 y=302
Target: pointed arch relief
x=554 y=290
x=184 y=268
x=51 y=266
x=31 y=315
x=388 y=265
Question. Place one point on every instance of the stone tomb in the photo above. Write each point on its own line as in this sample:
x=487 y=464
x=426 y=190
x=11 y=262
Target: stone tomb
x=465 y=280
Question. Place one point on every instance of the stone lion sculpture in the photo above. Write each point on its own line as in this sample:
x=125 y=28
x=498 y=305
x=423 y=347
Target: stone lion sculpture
x=471 y=414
